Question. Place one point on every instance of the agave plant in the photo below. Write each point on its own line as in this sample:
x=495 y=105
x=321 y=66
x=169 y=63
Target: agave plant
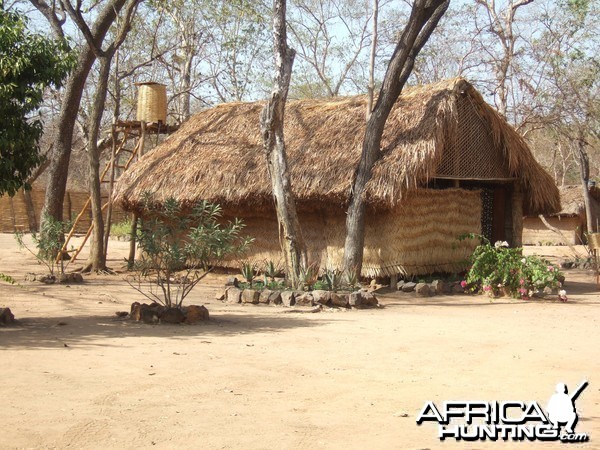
x=333 y=278
x=248 y=271
x=351 y=278
x=271 y=270
x=309 y=274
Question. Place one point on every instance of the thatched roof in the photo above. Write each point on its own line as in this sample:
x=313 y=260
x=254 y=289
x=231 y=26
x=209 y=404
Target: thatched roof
x=571 y=199
x=217 y=154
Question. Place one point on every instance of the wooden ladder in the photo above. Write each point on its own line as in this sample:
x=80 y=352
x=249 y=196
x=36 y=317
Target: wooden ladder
x=109 y=171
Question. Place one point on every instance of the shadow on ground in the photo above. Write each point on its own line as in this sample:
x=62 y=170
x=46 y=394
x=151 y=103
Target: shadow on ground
x=73 y=331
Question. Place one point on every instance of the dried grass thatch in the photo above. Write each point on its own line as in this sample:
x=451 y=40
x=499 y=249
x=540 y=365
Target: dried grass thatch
x=571 y=199
x=218 y=156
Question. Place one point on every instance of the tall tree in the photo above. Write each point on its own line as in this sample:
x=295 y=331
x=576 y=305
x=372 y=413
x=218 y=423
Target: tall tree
x=271 y=122
x=29 y=63
x=56 y=14
x=97 y=258
x=423 y=19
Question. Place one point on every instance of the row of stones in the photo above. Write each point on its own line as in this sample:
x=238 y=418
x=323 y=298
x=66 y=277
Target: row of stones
x=436 y=287
x=358 y=299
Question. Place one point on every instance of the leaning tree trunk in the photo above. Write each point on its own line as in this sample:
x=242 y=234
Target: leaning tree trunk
x=424 y=17
x=271 y=122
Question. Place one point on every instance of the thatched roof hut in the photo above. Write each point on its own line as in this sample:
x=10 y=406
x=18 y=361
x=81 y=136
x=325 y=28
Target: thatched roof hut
x=437 y=136
x=570 y=220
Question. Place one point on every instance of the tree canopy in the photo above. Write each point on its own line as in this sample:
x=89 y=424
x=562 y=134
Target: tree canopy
x=29 y=63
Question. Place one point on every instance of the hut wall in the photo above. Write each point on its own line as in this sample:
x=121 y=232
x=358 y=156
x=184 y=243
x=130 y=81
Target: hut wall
x=536 y=233
x=419 y=237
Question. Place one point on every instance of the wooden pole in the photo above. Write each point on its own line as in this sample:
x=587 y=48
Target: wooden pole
x=517 y=216
x=132 y=242
x=110 y=191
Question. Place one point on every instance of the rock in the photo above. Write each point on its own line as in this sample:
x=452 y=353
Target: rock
x=6 y=316
x=47 y=279
x=322 y=297
x=355 y=299
x=288 y=298
x=233 y=295
x=250 y=296
x=275 y=298
x=370 y=300
x=362 y=300
x=136 y=311
x=304 y=299
x=31 y=277
x=340 y=300
x=399 y=285
x=439 y=287
x=232 y=281
x=409 y=287
x=264 y=296
x=195 y=313
x=220 y=295
x=422 y=290
x=457 y=288
x=148 y=315
x=71 y=278
x=172 y=315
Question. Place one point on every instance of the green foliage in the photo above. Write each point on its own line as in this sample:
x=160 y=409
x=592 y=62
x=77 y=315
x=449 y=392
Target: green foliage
x=248 y=271
x=350 y=278
x=308 y=276
x=180 y=246
x=7 y=279
x=121 y=229
x=498 y=267
x=272 y=270
x=333 y=278
x=29 y=63
x=48 y=244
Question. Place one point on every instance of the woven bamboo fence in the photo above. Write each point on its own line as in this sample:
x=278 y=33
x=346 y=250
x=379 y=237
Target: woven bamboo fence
x=15 y=215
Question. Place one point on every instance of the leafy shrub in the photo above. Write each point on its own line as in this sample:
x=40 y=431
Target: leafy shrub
x=179 y=248
x=498 y=267
x=48 y=243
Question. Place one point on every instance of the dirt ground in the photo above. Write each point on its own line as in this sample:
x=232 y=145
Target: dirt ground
x=259 y=377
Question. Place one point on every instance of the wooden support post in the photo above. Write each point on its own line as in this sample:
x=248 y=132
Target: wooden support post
x=394 y=282
x=111 y=184
x=142 y=139
x=517 y=216
x=132 y=242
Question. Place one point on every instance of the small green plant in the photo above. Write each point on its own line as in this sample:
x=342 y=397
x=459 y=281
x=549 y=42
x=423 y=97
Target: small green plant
x=48 y=243
x=308 y=276
x=272 y=270
x=180 y=247
x=121 y=229
x=333 y=278
x=248 y=271
x=7 y=279
x=350 y=278
x=498 y=267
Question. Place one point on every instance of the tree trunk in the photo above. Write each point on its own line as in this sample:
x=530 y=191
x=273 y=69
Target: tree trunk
x=424 y=17
x=271 y=122
x=371 y=86
x=97 y=258
x=63 y=139
x=584 y=174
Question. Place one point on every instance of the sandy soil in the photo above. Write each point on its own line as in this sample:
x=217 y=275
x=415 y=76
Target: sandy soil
x=263 y=378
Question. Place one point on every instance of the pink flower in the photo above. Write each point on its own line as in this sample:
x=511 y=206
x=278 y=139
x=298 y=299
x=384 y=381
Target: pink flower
x=463 y=283
x=523 y=291
x=550 y=269
x=487 y=288
x=562 y=295
x=521 y=281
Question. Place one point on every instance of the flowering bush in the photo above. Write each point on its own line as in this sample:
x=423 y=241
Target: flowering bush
x=499 y=268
